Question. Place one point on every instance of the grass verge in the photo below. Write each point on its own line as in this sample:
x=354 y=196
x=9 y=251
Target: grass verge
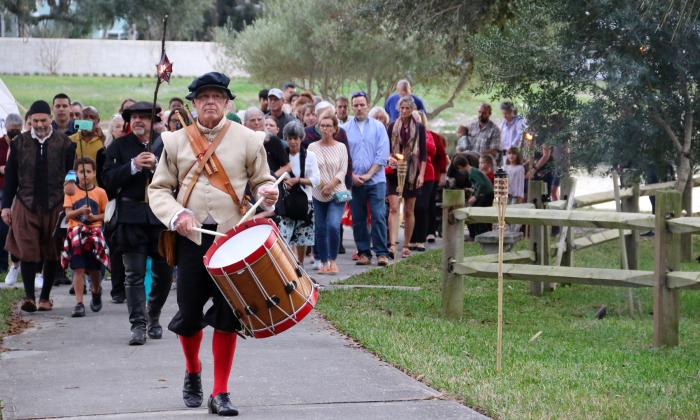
x=579 y=367
x=8 y=297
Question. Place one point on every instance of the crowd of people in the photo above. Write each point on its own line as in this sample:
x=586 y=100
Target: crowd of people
x=61 y=173
x=133 y=199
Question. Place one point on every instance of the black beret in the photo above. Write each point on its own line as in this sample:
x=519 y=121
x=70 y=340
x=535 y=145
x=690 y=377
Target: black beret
x=39 y=107
x=210 y=80
x=142 y=107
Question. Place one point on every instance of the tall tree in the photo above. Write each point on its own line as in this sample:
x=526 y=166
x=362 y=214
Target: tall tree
x=628 y=71
x=448 y=24
x=327 y=47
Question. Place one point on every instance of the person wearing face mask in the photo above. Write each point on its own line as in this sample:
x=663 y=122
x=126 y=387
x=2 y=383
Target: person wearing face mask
x=34 y=174
x=128 y=169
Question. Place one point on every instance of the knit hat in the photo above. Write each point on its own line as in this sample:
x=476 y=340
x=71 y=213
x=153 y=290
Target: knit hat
x=39 y=107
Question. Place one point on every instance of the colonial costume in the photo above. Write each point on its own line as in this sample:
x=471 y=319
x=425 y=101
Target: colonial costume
x=34 y=176
x=240 y=155
x=137 y=229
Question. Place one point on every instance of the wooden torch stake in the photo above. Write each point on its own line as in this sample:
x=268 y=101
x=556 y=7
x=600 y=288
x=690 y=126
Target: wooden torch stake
x=501 y=190
x=401 y=168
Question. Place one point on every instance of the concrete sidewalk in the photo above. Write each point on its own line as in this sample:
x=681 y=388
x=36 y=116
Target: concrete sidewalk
x=69 y=368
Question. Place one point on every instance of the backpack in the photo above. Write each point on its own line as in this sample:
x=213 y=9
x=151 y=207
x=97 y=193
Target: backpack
x=295 y=202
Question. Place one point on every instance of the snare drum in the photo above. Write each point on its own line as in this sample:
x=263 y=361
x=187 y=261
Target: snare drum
x=258 y=275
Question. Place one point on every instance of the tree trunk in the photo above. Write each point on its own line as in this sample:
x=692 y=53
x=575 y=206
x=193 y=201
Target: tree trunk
x=461 y=83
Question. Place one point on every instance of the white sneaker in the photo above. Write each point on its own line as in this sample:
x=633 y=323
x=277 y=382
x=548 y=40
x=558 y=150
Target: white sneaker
x=39 y=281
x=11 y=277
x=317 y=265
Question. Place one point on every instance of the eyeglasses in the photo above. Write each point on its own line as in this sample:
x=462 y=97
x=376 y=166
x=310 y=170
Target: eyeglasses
x=360 y=94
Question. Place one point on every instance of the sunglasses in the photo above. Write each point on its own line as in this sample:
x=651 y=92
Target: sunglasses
x=359 y=94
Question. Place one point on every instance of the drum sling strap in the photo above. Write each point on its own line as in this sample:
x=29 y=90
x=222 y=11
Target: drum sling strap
x=207 y=161
x=210 y=163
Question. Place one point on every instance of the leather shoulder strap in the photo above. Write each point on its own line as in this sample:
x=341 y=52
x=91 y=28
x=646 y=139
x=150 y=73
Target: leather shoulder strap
x=203 y=155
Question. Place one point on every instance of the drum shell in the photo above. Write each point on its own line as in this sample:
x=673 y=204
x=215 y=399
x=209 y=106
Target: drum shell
x=258 y=289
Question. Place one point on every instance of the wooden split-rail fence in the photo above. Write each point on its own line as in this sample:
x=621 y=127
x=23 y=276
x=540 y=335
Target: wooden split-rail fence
x=533 y=265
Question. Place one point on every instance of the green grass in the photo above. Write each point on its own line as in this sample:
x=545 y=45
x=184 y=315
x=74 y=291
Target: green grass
x=580 y=367
x=107 y=93
x=7 y=298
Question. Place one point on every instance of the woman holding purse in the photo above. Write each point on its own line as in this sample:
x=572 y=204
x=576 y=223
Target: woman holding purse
x=330 y=195
x=298 y=229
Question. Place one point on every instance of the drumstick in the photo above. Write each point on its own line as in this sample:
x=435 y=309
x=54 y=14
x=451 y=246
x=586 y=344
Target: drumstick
x=257 y=204
x=208 y=232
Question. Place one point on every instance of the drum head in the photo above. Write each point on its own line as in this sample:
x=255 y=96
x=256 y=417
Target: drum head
x=246 y=243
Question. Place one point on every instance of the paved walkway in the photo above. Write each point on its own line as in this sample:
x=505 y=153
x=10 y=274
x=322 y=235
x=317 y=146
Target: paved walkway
x=75 y=368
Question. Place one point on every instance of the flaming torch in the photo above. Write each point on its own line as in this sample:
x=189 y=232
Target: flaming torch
x=528 y=138
x=401 y=169
x=501 y=194
x=400 y=172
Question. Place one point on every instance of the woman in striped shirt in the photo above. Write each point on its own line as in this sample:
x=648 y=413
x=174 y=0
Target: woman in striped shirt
x=332 y=158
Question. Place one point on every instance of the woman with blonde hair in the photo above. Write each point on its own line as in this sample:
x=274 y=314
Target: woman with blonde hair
x=379 y=114
x=407 y=144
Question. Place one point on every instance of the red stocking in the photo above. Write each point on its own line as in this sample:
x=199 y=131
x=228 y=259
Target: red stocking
x=223 y=346
x=190 y=347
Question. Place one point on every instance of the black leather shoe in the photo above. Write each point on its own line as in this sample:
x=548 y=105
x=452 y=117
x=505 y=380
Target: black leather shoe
x=78 y=311
x=192 y=390
x=96 y=302
x=138 y=337
x=155 y=331
x=222 y=405
x=118 y=299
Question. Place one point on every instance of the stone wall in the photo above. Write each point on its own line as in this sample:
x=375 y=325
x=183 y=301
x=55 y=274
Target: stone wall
x=103 y=57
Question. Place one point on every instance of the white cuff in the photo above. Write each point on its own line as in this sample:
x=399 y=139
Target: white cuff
x=174 y=219
x=134 y=169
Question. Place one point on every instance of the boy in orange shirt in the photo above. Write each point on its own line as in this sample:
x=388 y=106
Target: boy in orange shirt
x=84 y=245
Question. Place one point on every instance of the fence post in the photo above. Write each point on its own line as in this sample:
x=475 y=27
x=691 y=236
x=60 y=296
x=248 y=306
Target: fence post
x=687 y=238
x=452 y=252
x=667 y=253
x=537 y=241
x=567 y=188
x=631 y=205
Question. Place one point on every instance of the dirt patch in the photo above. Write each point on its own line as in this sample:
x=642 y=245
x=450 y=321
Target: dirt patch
x=15 y=325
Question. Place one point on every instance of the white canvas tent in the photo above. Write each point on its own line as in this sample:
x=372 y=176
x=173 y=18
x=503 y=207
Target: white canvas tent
x=7 y=106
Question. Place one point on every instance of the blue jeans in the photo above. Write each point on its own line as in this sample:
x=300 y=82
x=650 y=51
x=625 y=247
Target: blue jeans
x=327 y=217
x=374 y=196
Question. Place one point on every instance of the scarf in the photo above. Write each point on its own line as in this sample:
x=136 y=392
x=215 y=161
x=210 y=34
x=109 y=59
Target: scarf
x=410 y=150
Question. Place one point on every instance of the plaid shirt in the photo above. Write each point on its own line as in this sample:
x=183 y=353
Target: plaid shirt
x=483 y=139
x=84 y=239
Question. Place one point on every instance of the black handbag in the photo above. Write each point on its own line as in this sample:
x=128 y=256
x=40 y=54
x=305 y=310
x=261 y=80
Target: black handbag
x=295 y=204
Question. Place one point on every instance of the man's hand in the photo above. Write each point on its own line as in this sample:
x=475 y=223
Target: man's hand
x=290 y=182
x=84 y=210
x=471 y=200
x=269 y=195
x=358 y=180
x=6 y=216
x=185 y=223
x=145 y=160
x=443 y=180
x=393 y=162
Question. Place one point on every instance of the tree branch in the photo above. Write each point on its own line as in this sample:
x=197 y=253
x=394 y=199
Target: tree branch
x=450 y=102
x=667 y=128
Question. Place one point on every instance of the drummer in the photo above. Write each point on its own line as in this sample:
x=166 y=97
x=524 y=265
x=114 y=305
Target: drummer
x=242 y=157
